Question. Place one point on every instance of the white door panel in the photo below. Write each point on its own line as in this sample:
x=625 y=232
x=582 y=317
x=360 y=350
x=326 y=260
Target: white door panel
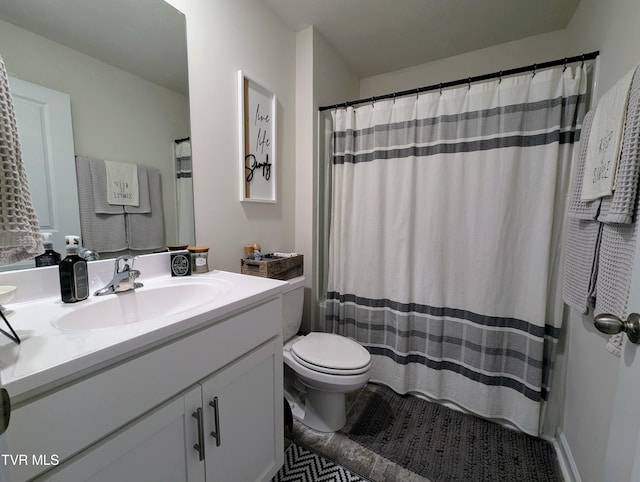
x=46 y=139
x=623 y=449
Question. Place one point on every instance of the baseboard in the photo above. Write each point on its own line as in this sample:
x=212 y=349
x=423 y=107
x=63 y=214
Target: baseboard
x=565 y=459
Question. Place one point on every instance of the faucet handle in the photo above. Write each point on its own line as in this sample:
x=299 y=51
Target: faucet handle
x=124 y=262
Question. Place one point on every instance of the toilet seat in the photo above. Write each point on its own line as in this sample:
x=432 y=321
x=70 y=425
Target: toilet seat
x=331 y=354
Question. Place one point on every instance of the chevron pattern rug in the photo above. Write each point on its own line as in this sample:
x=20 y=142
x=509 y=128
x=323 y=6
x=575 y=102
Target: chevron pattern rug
x=302 y=465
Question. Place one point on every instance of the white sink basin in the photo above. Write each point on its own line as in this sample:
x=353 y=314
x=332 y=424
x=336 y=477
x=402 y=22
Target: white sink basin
x=144 y=304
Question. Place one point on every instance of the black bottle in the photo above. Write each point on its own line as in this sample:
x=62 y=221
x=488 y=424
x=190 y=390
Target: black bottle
x=74 y=277
x=49 y=257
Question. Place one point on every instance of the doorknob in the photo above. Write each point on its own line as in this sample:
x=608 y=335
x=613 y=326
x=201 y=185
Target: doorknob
x=611 y=325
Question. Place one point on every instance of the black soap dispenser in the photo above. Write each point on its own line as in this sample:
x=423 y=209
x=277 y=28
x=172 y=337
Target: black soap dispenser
x=74 y=276
x=49 y=257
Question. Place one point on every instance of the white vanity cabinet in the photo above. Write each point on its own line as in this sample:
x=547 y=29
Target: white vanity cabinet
x=157 y=447
x=240 y=405
x=206 y=405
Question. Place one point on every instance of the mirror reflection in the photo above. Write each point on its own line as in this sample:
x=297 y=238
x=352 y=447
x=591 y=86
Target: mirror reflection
x=101 y=81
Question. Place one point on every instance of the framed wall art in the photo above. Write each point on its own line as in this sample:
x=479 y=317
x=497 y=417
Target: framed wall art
x=257 y=114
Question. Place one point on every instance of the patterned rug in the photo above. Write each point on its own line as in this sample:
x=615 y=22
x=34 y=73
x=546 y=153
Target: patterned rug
x=446 y=445
x=303 y=465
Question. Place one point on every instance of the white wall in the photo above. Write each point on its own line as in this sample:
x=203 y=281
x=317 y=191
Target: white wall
x=305 y=153
x=539 y=48
x=612 y=28
x=108 y=106
x=224 y=37
x=322 y=78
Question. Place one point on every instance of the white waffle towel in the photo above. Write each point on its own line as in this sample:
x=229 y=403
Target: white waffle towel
x=19 y=228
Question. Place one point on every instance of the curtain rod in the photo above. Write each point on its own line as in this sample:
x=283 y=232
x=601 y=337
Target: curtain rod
x=178 y=141
x=469 y=80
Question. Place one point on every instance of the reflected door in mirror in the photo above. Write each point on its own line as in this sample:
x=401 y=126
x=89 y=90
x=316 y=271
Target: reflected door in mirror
x=46 y=140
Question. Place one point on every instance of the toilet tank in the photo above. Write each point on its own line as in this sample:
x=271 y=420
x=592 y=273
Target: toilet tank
x=292 y=304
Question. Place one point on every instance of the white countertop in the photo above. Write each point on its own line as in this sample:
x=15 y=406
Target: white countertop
x=49 y=356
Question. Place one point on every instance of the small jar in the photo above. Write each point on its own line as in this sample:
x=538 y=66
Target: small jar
x=257 y=255
x=248 y=251
x=199 y=259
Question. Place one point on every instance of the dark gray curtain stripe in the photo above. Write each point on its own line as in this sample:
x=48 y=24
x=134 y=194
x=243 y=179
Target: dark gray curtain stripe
x=437 y=311
x=446 y=339
x=491 y=380
x=564 y=137
x=526 y=117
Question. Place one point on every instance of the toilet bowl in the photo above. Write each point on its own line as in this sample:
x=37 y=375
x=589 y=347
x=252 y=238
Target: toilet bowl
x=320 y=368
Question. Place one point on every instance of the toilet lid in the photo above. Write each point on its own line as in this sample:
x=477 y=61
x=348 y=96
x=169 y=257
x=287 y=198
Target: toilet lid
x=329 y=353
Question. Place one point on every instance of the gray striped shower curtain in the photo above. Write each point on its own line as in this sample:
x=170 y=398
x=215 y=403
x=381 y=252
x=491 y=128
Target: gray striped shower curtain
x=447 y=212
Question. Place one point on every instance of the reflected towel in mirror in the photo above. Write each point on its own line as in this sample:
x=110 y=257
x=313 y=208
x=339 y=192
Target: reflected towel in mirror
x=146 y=230
x=19 y=226
x=101 y=232
x=122 y=183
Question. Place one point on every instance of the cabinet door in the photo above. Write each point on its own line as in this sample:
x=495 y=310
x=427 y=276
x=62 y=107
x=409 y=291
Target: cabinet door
x=243 y=417
x=158 y=447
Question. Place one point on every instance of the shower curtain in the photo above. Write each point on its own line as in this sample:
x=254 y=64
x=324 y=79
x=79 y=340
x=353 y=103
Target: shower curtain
x=446 y=216
x=184 y=190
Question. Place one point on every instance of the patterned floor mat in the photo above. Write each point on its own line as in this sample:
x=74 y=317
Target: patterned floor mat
x=303 y=465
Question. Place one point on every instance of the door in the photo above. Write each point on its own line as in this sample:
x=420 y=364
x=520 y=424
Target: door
x=46 y=140
x=622 y=462
x=158 y=447
x=243 y=418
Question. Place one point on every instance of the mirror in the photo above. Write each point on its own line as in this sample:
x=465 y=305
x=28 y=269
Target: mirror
x=123 y=65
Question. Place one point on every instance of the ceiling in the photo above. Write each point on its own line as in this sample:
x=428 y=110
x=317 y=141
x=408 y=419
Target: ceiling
x=373 y=36
x=144 y=37
x=378 y=36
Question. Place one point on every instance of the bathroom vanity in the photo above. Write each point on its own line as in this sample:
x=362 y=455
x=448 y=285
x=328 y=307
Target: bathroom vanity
x=192 y=394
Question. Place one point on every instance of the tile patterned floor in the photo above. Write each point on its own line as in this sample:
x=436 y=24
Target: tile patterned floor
x=302 y=465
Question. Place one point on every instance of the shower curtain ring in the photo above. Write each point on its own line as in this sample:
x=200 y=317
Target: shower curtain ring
x=582 y=64
x=564 y=64
x=500 y=78
x=417 y=93
x=535 y=66
x=440 y=86
x=469 y=83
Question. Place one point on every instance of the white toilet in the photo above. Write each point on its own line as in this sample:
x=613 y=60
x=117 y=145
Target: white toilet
x=320 y=368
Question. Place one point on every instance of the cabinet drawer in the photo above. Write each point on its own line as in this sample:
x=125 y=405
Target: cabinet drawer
x=66 y=421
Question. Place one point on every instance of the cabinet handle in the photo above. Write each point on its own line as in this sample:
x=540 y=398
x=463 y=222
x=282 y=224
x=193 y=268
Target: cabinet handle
x=5 y=410
x=216 y=421
x=200 y=445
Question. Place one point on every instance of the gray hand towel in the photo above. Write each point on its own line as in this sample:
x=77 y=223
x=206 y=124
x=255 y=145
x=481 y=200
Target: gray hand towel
x=146 y=231
x=100 y=232
x=583 y=235
x=98 y=179
x=581 y=263
x=143 y=187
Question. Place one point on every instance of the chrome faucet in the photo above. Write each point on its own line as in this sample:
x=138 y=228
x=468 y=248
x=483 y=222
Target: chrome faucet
x=123 y=277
